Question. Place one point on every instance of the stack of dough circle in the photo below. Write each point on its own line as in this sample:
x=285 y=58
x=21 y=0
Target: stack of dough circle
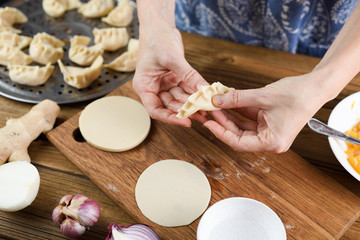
x=172 y=193
x=114 y=123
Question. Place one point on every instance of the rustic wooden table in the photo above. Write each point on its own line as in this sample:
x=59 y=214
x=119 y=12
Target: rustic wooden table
x=234 y=65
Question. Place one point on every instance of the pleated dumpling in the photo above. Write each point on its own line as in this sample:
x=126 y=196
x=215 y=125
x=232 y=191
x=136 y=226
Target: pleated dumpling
x=81 y=77
x=46 y=48
x=126 y=62
x=111 y=39
x=56 y=8
x=13 y=55
x=30 y=75
x=73 y=4
x=201 y=100
x=14 y=40
x=121 y=16
x=96 y=8
x=80 y=53
x=10 y=16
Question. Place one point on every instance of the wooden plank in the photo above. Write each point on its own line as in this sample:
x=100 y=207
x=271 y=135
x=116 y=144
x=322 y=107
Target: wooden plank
x=304 y=197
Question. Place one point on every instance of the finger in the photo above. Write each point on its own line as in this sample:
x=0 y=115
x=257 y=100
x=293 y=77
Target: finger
x=250 y=113
x=172 y=104
x=169 y=101
x=187 y=73
x=240 y=98
x=179 y=94
x=247 y=142
x=223 y=120
x=243 y=125
x=187 y=89
x=203 y=113
x=168 y=81
x=155 y=107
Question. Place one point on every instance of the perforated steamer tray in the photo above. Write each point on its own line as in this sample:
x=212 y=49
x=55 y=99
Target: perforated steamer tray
x=70 y=24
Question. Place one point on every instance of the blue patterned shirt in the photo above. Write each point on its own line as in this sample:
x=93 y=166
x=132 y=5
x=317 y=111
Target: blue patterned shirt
x=297 y=26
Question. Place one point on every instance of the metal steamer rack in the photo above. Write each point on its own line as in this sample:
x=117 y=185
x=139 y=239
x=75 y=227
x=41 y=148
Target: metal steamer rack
x=70 y=24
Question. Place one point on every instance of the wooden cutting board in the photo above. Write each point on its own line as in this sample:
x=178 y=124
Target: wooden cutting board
x=310 y=204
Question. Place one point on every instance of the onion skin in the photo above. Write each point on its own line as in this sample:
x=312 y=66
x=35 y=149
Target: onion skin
x=131 y=232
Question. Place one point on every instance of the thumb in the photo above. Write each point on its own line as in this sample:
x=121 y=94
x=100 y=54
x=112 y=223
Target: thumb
x=239 y=98
x=189 y=75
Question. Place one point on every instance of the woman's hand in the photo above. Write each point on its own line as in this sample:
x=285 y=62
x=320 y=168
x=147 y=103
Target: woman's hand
x=274 y=114
x=163 y=78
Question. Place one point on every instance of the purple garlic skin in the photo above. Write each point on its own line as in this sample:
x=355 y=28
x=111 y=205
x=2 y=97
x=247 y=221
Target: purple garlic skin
x=72 y=229
x=57 y=215
x=131 y=232
x=75 y=213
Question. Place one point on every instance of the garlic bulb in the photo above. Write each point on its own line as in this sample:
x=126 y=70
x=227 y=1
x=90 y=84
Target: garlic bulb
x=75 y=213
x=131 y=232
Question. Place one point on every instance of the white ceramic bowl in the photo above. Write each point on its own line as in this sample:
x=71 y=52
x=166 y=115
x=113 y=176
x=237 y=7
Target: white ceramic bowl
x=240 y=218
x=344 y=116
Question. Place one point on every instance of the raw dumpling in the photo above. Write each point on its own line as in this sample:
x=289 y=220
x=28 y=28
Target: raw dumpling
x=111 y=38
x=45 y=48
x=56 y=8
x=81 y=77
x=126 y=62
x=10 y=16
x=201 y=100
x=73 y=4
x=80 y=53
x=14 y=40
x=13 y=55
x=30 y=75
x=121 y=16
x=96 y=8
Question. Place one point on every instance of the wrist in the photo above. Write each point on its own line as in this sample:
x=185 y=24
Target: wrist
x=154 y=12
x=329 y=81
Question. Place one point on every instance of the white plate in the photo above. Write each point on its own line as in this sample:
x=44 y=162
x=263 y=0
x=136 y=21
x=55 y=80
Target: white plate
x=240 y=218
x=343 y=117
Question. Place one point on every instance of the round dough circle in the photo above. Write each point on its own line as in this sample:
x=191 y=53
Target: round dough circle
x=172 y=193
x=114 y=123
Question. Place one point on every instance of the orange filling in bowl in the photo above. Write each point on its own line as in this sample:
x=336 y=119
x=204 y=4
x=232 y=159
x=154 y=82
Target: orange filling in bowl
x=353 y=150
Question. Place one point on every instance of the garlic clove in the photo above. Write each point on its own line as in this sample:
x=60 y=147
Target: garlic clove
x=71 y=228
x=65 y=200
x=19 y=185
x=89 y=213
x=57 y=216
x=131 y=232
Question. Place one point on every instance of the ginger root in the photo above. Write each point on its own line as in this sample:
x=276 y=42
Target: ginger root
x=18 y=133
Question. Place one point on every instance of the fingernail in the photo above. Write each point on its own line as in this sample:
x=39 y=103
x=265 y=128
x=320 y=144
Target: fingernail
x=217 y=100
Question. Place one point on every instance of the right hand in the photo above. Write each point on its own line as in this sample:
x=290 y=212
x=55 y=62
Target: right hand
x=163 y=78
x=274 y=114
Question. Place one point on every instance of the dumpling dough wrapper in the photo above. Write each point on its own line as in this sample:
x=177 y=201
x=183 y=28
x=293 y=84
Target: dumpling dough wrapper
x=201 y=100
x=172 y=193
x=114 y=123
